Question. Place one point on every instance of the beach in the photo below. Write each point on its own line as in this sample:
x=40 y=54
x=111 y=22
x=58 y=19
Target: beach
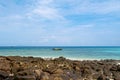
x=37 y=68
x=59 y=40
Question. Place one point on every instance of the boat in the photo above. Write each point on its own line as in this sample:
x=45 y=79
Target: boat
x=57 y=49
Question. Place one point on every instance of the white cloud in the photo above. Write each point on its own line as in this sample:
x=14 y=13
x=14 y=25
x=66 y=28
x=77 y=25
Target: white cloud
x=16 y=17
x=56 y=11
x=64 y=35
x=103 y=8
x=46 y=10
x=92 y=6
x=68 y=34
x=45 y=2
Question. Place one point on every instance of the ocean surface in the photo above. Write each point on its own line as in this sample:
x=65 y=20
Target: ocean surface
x=77 y=53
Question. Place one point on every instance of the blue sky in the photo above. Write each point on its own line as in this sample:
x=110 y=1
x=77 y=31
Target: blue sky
x=59 y=22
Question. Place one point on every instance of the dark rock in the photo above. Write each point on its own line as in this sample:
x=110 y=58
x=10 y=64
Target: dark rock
x=116 y=76
x=96 y=76
x=102 y=77
x=30 y=77
x=3 y=74
x=30 y=68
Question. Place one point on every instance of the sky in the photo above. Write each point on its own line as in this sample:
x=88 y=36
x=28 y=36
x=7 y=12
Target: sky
x=59 y=22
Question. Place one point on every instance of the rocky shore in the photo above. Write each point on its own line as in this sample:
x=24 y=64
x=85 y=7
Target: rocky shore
x=30 y=68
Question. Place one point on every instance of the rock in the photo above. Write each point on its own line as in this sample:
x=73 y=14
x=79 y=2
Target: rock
x=2 y=58
x=30 y=68
x=115 y=68
x=58 y=71
x=77 y=68
x=61 y=58
x=5 y=65
x=116 y=76
x=44 y=76
x=85 y=71
x=58 y=78
x=96 y=76
x=38 y=72
x=118 y=64
x=101 y=77
x=26 y=72
x=11 y=75
x=30 y=77
x=118 y=68
x=3 y=74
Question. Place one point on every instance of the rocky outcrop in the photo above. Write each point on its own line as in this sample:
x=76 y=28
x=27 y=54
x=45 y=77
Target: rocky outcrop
x=30 y=68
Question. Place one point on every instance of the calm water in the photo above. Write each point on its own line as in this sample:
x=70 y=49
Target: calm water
x=68 y=52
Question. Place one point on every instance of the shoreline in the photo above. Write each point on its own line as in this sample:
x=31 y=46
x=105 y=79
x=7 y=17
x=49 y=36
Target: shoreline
x=74 y=59
x=37 y=68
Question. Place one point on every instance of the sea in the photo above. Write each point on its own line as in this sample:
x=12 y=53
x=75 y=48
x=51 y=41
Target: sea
x=69 y=52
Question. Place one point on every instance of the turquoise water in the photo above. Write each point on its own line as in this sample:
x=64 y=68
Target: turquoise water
x=68 y=52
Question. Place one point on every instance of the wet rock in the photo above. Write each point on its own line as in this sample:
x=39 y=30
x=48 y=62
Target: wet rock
x=61 y=58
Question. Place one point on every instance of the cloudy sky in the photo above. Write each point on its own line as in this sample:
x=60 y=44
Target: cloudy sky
x=59 y=22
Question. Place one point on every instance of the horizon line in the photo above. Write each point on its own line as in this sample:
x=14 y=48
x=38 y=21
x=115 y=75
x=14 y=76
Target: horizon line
x=61 y=46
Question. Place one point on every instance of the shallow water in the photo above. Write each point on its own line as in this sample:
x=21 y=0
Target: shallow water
x=86 y=52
